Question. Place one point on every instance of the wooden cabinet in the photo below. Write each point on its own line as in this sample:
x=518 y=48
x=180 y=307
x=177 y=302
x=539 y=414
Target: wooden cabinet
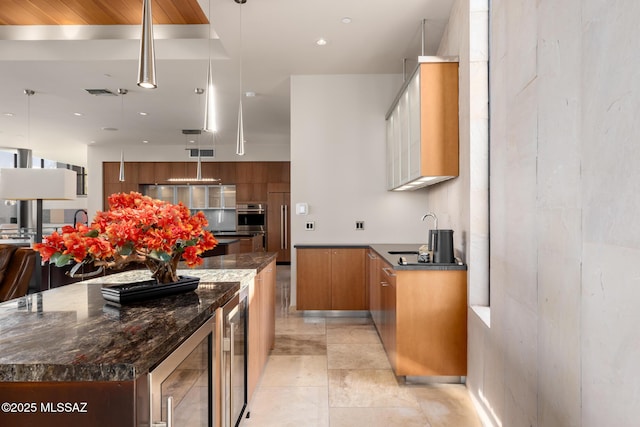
x=331 y=279
x=262 y=324
x=279 y=225
x=252 y=179
x=375 y=291
x=422 y=128
x=421 y=317
x=251 y=244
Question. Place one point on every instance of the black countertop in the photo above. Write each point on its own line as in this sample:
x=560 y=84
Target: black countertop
x=384 y=249
x=71 y=333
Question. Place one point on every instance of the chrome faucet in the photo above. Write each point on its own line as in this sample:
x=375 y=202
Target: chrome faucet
x=432 y=215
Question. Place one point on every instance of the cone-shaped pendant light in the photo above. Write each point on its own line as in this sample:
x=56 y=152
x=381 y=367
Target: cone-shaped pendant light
x=121 y=176
x=240 y=141
x=209 y=104
x=199 y=166
x=147 y=60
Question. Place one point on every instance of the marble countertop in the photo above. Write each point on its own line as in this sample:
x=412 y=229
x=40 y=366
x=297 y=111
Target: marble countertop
x=72 y=334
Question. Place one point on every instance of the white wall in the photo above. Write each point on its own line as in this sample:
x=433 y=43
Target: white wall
x=338 y=164
x=562 y=349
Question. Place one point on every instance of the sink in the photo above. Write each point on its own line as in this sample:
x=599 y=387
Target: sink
x=403 y=252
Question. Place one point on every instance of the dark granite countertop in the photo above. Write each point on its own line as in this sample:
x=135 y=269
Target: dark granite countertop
x=412 y=260
x=383 y=251
x=71 y=333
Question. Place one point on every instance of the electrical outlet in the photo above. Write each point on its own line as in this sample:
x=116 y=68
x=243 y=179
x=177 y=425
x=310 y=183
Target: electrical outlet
x=310 y=226
x=359 y=225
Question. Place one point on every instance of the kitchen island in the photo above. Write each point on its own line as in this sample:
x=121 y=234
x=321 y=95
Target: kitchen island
x=67 y=357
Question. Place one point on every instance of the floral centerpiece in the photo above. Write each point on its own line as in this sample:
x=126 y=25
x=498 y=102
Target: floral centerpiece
x=135 y=229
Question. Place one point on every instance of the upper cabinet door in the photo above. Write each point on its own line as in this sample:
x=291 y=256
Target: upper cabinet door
x=422 y=127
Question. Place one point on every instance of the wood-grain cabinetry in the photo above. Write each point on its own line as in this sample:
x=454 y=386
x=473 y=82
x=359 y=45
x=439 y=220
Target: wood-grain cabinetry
x=421 y=317
x=262 y=324
x=422 y=128
x=331 y=279
x=251 y=178
x=251 y=244
x=279 y=223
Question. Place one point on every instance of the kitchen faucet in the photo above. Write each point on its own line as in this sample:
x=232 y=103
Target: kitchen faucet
x=435 y=219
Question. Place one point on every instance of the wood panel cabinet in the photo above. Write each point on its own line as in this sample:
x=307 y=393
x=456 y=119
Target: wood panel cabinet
x=331 y=279
x=422 y=128
x=253 y=180
x=279 y=225
x=262 y=324
x=251 y=244
x=375 y=291
x=421 y=317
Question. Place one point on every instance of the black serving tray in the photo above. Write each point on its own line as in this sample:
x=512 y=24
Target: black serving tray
x=124 y=293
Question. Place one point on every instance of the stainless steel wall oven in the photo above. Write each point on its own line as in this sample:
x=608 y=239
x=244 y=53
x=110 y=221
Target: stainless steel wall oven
x=252 y=217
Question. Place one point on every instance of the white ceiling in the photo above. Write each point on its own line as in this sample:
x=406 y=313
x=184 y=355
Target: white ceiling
x=277 y=41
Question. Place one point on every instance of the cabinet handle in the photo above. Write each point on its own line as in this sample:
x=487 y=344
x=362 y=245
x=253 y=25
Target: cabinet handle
x=384 y=284
x=388 y=271
x=371 y=256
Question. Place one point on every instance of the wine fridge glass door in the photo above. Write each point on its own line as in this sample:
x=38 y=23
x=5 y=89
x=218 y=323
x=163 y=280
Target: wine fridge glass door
x=182 y=385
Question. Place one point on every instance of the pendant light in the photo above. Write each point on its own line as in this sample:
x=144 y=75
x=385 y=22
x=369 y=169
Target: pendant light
x=209 y=102
x=147 y=59
x=240 y=140
x=122 y=93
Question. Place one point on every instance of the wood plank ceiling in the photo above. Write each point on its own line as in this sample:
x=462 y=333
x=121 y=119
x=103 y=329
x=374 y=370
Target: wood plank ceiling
x=98 y=12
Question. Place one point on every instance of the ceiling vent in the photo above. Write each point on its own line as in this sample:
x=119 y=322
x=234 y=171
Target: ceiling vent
x=205 y=152
x=191 y=131
x=100 y=92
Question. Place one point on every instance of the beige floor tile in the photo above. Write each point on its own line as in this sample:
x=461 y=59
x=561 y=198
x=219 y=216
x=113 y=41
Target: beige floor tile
x=300 y=345
x=288 y=407
x=295 y=371
x=298 y=325
x=344 y=320
x=352 y=334
x=357 y=356
x=368 y=388
x=378 y=417
x=446 y=405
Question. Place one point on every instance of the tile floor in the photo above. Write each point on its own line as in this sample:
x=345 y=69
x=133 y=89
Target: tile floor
x=334 y=372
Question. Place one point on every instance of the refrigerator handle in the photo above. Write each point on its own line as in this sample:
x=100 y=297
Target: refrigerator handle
x=286 y=227
x=281 y=226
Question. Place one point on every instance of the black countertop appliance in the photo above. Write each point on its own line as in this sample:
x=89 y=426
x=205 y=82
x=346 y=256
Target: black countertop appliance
x=441 y=246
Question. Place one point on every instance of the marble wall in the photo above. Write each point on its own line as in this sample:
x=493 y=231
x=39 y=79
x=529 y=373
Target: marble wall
x=562 y=346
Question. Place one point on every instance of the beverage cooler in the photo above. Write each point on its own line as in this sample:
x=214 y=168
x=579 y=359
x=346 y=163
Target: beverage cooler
x=182 y=387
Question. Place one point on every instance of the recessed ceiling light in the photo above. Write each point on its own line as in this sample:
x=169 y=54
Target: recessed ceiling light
x=321 y=42
x=8 y=114
x=77 y=114
x=143 y=113
x=250 y=94
x=346 y=20
x=145 y=141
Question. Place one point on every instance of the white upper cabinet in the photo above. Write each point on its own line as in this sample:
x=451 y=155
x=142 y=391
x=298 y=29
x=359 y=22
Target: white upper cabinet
x=422 y=127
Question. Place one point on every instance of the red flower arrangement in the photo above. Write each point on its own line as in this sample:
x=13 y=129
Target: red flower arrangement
x=135 y=229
